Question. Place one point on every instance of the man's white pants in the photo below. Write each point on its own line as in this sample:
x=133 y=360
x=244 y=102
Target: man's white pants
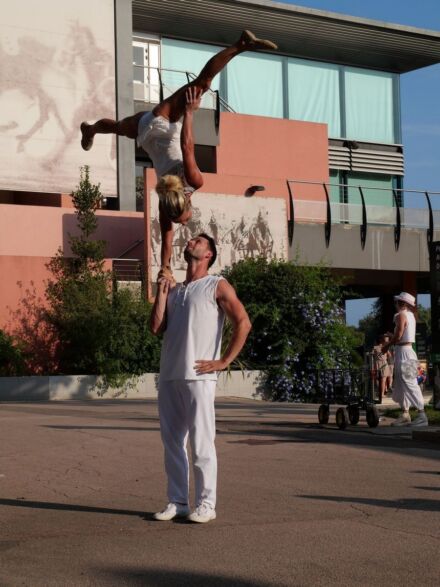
x=186 y=410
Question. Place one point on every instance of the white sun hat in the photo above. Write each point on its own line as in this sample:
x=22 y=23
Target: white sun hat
x=407 y=298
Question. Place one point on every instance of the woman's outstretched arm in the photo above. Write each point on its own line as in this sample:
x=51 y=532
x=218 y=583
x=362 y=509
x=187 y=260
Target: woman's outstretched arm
x=190 y=168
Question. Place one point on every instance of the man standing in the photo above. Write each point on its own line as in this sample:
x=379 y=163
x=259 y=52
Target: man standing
x=192 y=314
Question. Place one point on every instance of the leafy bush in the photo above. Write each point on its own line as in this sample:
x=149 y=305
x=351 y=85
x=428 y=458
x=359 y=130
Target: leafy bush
x=99 y=329
x=298 y=325
x=12 y=358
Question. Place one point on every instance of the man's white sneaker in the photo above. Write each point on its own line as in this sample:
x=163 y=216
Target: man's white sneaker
x=421 y=420
x=173 y=510
x=202 y=514
x=403 y=420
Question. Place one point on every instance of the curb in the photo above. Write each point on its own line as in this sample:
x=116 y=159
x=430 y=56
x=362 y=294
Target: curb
x=432 y=435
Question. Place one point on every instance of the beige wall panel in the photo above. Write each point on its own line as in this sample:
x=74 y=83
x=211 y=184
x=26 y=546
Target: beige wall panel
x=242 y=227
x=57 y=68
x=345 y=251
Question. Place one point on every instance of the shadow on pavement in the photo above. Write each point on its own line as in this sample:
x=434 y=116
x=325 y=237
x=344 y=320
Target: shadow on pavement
x=427 y=488
x=427 y=472
x=427 y=505
x=314 y=433
x=44 y=505
x=66 y=427
x=165 y=578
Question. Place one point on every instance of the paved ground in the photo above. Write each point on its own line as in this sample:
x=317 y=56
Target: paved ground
x=298 y=505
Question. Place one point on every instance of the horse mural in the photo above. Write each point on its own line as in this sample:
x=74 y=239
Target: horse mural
x=47 y=90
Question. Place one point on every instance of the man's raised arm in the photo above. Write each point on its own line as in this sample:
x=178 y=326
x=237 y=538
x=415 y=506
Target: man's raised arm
x=158 y=316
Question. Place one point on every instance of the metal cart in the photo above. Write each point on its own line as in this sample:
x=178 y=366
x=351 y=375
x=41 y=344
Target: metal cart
x=350 y=389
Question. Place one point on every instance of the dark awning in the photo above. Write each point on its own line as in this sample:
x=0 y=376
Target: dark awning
x=299 y=32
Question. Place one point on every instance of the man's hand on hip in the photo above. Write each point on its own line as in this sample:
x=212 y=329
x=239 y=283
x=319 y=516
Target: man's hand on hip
x=201 y=367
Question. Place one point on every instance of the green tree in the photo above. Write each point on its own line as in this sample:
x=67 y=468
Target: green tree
x=371 y=327
x=424 y=316
x=12 y=356
x=298 y=324
x=99 y=328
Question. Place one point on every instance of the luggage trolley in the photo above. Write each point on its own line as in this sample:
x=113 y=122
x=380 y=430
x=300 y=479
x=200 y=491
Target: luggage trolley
x=352 y=387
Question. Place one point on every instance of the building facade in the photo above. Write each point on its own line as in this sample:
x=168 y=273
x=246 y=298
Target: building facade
x=301 y=149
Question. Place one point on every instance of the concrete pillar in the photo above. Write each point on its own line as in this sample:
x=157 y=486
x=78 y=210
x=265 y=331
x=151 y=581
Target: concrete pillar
x=125 y=102
x=388 y=311
x=409 y=282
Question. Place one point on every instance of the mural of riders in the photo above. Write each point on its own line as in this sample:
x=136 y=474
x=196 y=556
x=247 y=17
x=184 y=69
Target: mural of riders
x=49 y=84
x=241 y=227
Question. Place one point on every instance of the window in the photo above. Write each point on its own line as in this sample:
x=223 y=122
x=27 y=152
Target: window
x=255 y=85
x=314 y=93
x=377 y=189
x=355 y=103
x=146 y=63
x=369 y=105
x=182 y=57
x=378 y=195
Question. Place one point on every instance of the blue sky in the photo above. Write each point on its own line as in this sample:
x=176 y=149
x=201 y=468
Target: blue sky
x=420 y=99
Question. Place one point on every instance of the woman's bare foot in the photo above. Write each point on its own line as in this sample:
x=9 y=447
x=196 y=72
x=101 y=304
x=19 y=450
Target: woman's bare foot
x=87 y=136
x=251 y=42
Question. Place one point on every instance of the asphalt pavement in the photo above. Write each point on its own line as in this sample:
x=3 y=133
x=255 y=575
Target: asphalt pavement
x=298 y=504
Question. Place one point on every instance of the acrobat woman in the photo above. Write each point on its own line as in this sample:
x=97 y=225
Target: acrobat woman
x=169 y=141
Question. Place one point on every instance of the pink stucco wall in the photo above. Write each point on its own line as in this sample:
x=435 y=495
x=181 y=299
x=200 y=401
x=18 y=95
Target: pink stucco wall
x=273 y=150
x=31 y=235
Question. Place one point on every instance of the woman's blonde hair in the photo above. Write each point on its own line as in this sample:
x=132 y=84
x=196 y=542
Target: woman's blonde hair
x=171 y=194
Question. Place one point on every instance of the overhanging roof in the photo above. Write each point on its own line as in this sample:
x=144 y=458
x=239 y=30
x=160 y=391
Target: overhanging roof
x=300 y=32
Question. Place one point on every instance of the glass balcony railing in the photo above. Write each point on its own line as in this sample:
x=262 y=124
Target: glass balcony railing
x=313 y=202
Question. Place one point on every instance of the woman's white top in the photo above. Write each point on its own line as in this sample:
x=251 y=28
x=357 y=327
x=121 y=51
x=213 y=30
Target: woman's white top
x=409 y=334
x=160 y=138
x=193 y=331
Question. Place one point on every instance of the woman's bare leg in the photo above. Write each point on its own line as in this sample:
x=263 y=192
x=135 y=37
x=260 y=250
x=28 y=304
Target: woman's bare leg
x=127 y=127
x=173 y=107
x=388 y=383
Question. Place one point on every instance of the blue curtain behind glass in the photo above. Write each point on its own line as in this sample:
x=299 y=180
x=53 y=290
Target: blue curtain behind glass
x=369 y=181
x=369 y=105
x=314 y=93
x=185 y=56
x=255 y=84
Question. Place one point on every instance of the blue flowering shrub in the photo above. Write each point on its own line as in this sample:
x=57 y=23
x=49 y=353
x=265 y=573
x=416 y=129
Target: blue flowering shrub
x=298 y=325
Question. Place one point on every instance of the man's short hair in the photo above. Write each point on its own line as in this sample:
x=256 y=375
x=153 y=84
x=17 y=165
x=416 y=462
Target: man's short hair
x=212 y=248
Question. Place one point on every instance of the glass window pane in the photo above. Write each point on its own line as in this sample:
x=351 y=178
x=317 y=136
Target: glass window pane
x=138 y=59
x=255 y=85
x=185 y=56
x=379 y=202
x=335 y=190
x=314 y=93
x=369 y=105
x=368 y=183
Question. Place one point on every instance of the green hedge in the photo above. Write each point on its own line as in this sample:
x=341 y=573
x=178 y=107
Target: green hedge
x=298 y=324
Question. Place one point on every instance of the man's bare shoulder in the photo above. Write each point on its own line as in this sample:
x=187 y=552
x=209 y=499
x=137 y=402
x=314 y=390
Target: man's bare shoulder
x=224 y=289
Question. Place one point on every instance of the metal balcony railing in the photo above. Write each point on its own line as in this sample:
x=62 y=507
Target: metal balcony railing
x=156 y=88
x=310 y=202
x=128 y=270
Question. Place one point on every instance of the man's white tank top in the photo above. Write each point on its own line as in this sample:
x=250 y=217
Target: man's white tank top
x=409 y=334
x=194 y=329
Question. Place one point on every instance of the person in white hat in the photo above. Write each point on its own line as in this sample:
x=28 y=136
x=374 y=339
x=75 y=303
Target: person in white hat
x=406 y=391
